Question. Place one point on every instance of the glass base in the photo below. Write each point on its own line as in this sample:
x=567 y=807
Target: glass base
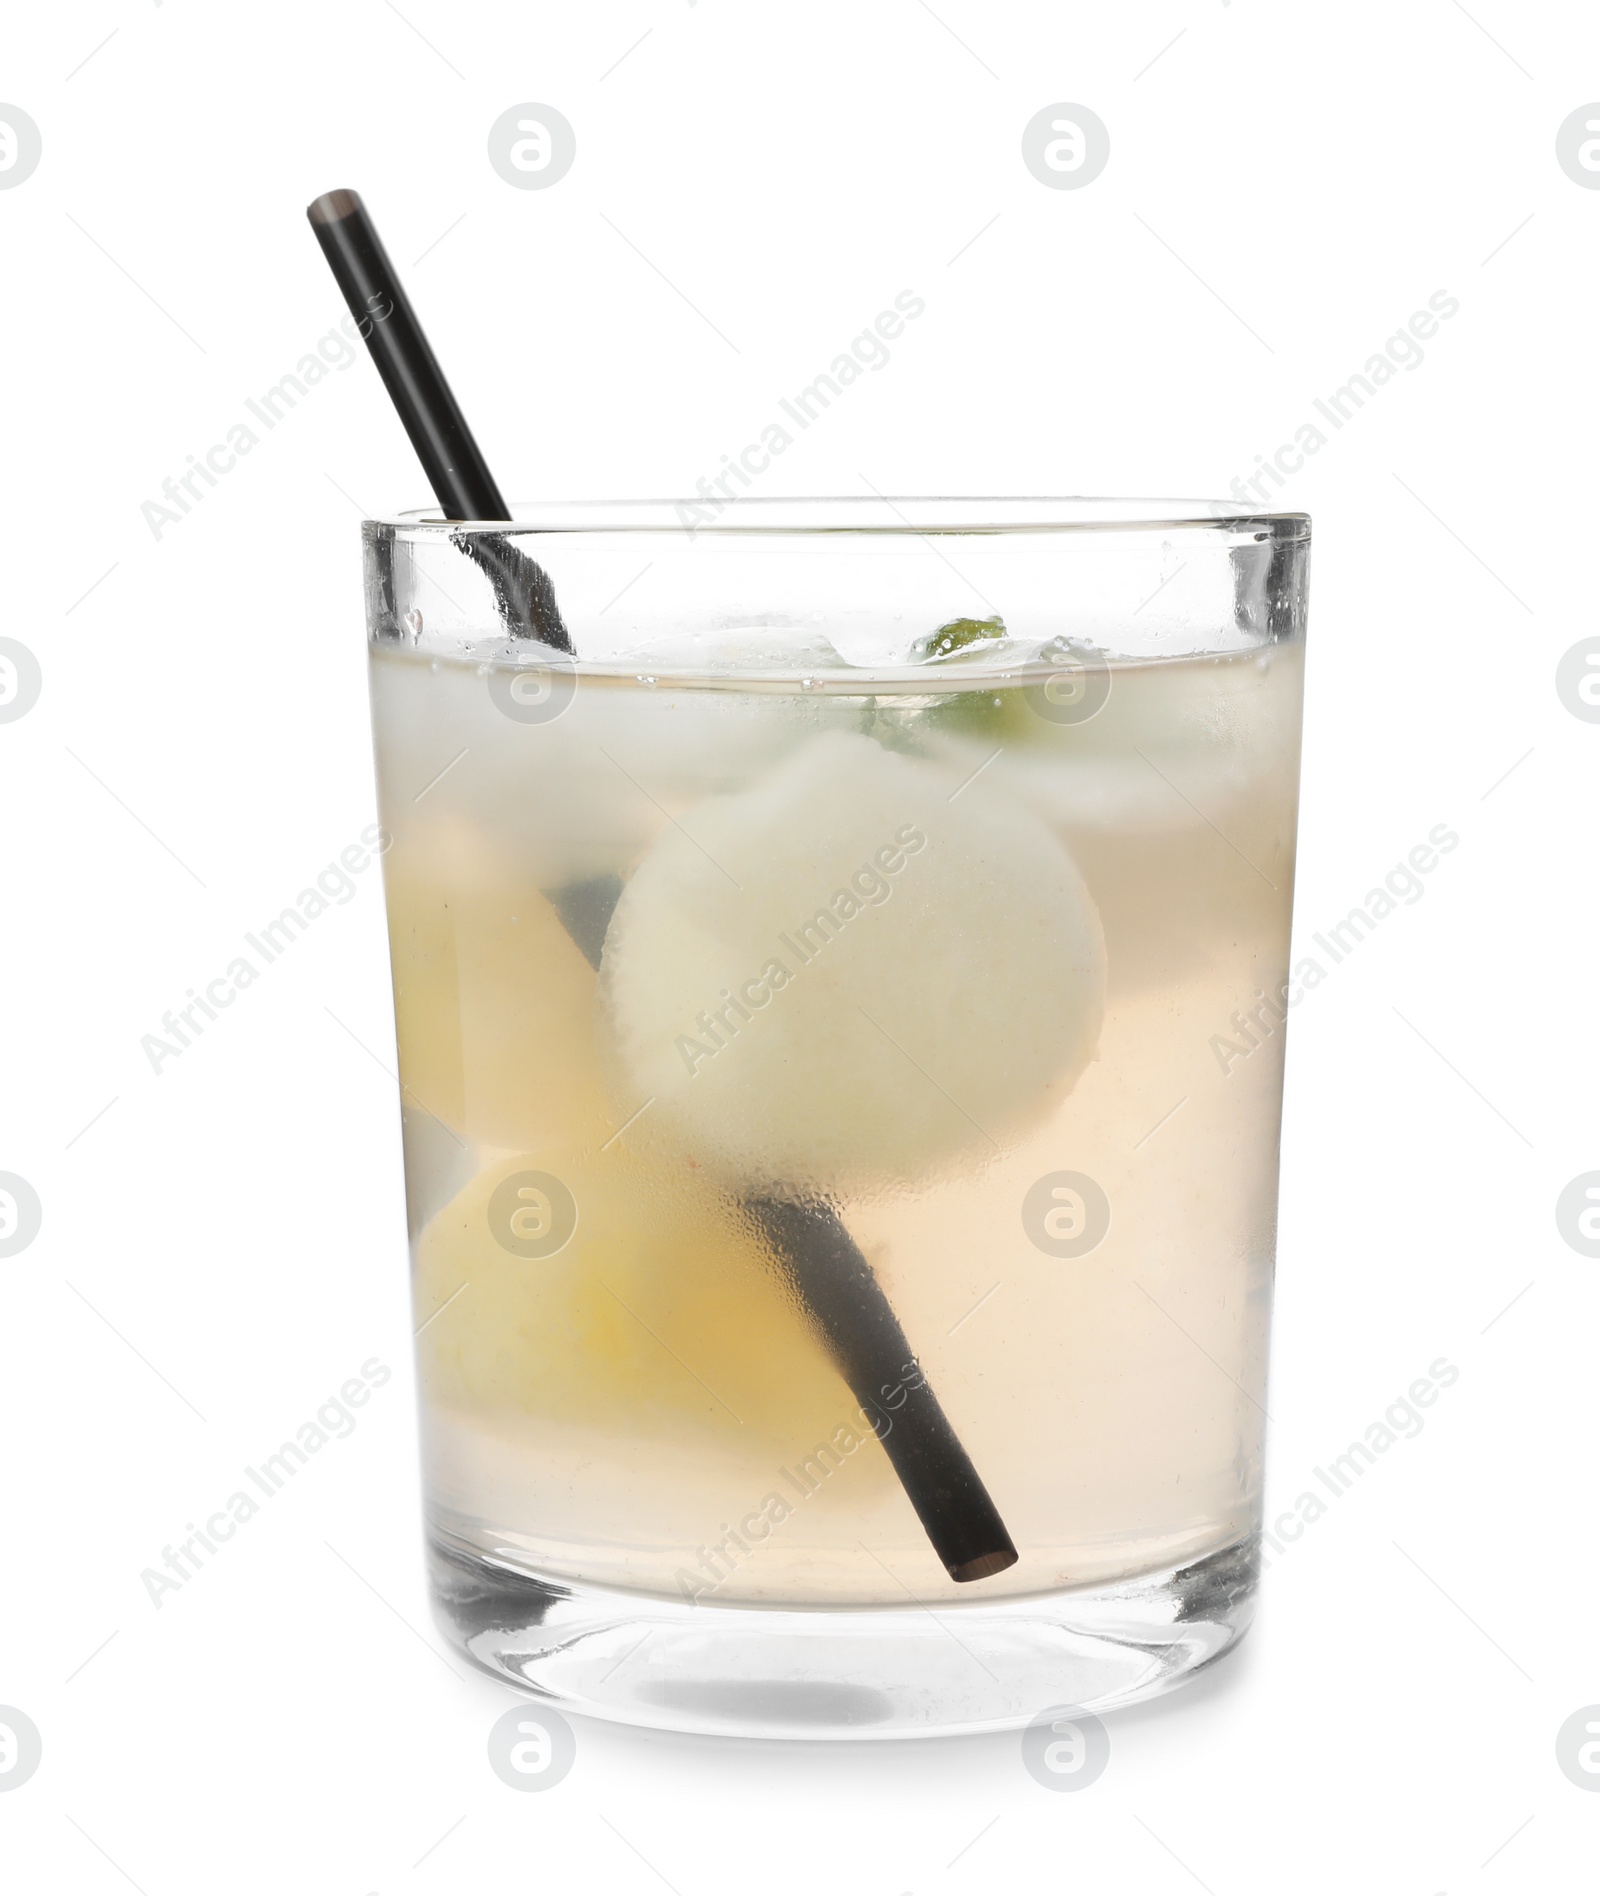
x=848 y=1672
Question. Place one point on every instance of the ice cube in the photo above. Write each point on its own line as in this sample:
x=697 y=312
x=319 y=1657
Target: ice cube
x=783 y=648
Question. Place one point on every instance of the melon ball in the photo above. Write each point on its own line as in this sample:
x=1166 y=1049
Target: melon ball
x=494 y=1001
x=853 y=973
x=660 y=1317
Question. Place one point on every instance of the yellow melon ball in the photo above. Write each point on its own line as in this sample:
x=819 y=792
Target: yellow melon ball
x=644 y=1305
x=494 y=1002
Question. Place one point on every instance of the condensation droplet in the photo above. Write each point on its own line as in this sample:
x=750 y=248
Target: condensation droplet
x=414 y=624
x=808 y=684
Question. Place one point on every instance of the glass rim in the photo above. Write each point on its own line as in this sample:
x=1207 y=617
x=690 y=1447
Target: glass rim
x=913 y=515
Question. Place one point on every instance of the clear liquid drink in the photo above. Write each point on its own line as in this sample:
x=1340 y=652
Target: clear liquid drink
x=841 y=1033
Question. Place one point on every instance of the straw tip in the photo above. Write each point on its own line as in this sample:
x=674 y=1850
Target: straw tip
x=982 y=1566
x=333 y=206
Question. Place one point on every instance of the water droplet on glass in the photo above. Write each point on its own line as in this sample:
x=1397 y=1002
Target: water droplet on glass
x=414 y=624
x=644 y=678
x=808 y=684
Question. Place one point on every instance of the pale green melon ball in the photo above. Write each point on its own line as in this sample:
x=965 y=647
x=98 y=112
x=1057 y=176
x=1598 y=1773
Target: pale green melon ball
x=848 y=976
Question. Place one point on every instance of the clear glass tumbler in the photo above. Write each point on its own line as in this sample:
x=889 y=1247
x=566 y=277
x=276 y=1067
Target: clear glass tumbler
x=840 y=962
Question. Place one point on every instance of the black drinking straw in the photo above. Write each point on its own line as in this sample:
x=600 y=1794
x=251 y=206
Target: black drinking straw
x=450 y=457
x=871 y=1352
x=817 y=1255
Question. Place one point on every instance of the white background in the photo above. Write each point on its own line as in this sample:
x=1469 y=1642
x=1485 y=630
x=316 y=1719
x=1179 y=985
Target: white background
x=223 y=1243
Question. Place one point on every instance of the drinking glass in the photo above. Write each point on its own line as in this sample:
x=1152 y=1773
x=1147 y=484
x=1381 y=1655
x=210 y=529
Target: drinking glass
x=841 y=966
